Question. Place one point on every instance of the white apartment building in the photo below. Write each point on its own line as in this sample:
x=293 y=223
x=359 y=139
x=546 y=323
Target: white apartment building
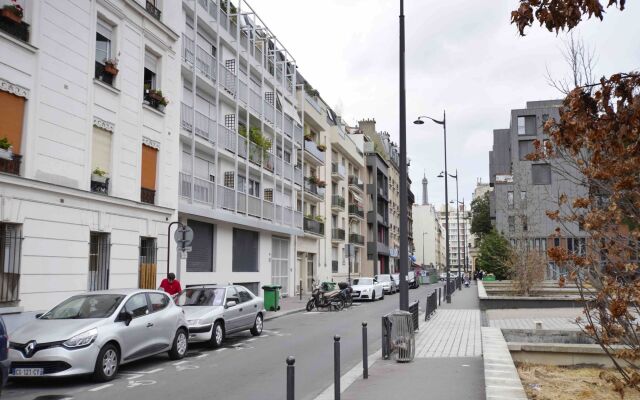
x=241 y=141
x=90 y=181
x=462 y=231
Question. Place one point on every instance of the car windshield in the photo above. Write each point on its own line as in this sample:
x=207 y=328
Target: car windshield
x=384 y=278
x=396 y=277
x=363 y=281
x=85 y=307
x=201 y=297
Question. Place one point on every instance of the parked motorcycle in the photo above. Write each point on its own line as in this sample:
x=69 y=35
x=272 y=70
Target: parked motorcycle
x=345 y=292
x=321 y=298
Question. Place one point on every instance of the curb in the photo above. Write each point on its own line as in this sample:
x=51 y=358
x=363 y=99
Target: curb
x=277 y=314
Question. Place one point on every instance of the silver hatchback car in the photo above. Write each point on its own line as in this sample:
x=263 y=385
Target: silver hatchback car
x=214 y=311
x=96 y=332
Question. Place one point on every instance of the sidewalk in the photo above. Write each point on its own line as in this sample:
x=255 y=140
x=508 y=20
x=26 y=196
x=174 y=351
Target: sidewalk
x=448 y=360
x=288 y=305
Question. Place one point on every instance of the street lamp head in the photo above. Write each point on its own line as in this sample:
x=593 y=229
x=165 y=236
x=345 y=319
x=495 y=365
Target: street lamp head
x=419 y=121
x=441 y=175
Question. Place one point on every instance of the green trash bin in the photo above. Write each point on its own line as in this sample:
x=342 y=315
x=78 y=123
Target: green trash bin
x=272 y=297
x=328 y=286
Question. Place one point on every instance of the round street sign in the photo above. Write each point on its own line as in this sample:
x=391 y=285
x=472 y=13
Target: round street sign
x=183 y=236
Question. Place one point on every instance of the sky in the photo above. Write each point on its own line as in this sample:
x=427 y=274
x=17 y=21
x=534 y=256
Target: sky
x=461 y=55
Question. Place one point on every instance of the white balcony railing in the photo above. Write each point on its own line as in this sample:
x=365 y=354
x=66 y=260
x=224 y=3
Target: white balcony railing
x=203 y=190
x=242 y=147
x=255 y=101
x=186 y=117
x=242 y=202
x=226 y=197
x=297 y=134
x=267 y=208
x=228 y=80
x=269 y=112
x=287 y=216
x=228 y=138
x=298 y=219
x=185 y=185
x=254 y=206
x=243 y=92
x=205 y=127
x=188 y=48
x=288 y=126
x=314 y=103
x=287 y=171
x=297 y=176
x=206 y=63
x=278 y=166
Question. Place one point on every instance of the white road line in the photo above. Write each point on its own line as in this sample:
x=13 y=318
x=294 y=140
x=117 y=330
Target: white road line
x=250 y=340
x=203 y=355
x=180 y=362
x=95 y=389
x=222 y=349
x=347 y=379
x=236 y=344
x=153 y=371
x=131 y=376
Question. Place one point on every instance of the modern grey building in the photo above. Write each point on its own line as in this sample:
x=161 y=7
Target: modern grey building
x=524 y=190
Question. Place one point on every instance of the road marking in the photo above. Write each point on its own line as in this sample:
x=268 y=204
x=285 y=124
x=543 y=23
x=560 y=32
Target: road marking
x=180 y=362
x=347 y=379
x=186 y=367
x=236 y=344
x=133 y=384
x=250 y=340
x=153 y=371
x=222 y=349
x=203 y=355
x=131 y=376
x=95 y=389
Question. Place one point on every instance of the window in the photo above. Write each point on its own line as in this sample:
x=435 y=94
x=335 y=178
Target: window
x=287 y=156
x=205 y=169
x=527 y=125
x=99 y=254
x=158 y=301
x=523 y=198
x=556 y=242
x=11 y=118
x=243 y=294
x=228 y=179
x=150 y=71
x=10 y=256
x=147 y=264
x=512 y=223
x=101 y=157
x=268 y=195
x=104 y=33
x=525 y=223
x=232 y=293
x=201 y=256
x=148 y=179
x=137 y=305
x=525 y=147
x=254 y=188
x=242 y=183
x=510 y=200
x=245 y=251
x=252 y=287
x=541 y=174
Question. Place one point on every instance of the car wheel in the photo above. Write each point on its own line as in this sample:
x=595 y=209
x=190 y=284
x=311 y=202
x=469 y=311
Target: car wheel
x=217 y=335
x=382 y=297
x=180 y=344
x=373 y=296
x=107 y=363
x=257 y=326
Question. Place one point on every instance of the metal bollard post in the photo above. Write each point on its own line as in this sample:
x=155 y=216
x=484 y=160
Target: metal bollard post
x=365 y=353
x=290 y=378
x=439 y=296
x=300 y=289
x=336 y=367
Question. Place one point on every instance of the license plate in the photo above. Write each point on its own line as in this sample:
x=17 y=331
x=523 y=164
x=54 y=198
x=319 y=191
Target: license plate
x=28 y=372
x=356 y=294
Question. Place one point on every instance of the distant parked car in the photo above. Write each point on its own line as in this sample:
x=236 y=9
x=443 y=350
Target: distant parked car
x=412 y=281
x=96 y=332
x=388 y=283
x=214 y=311
x=367 y=289
x=4 y=354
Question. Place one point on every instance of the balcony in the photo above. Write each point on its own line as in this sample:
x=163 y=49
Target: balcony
x=312 y=188
x=227 y=80
x=19 y=30
x=355 y=183
x=203 y=190
x=297 y=176
x=297 y=134
x=298 y=219
x=206 y=64
x=337 y=235
x=312 y=148
x=338 y=171
x=356 y=210
x=11 y=166
x=147 y=196
x=314 y=227
x=153 y=10
x=337 y=202
x=356 y=239
x=383 y=192
x=373 y=217
x=377 y=248
x=205 y=126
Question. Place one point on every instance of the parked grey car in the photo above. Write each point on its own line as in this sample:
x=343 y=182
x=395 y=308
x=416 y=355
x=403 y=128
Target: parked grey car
x=388 y=283
x=96 y=332
x=213 y=311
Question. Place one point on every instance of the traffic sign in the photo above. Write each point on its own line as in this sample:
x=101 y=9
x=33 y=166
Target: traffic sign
x=184 y=237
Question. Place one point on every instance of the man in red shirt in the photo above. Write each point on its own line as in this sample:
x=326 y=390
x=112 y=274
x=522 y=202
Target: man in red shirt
x=171 y=285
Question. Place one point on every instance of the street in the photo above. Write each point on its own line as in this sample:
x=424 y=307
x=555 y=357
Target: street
x=246 y=367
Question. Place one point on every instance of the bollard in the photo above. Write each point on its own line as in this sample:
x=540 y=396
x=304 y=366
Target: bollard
x=336 y=367
x=290 y=378
x=300 y=289
x=439 y=296
x=365 y=358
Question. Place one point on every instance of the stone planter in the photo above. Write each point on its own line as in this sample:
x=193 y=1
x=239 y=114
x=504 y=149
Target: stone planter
x=6 y=154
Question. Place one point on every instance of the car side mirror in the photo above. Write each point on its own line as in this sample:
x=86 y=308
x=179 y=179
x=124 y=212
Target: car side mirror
x=126 y=317
x=232 y=301
x=39 y=315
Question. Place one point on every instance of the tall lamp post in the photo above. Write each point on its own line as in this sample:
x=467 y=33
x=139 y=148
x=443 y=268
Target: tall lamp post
x=404 y=212
x=457 y=222
x=420 y=121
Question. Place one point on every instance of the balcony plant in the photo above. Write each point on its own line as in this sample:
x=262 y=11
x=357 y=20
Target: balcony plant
x=312 y=179
x=111 y=66
x=320 y=183
x=99 y=175
x=308 y=137
x=13 y=12
x=155 y=98
x=6 y=152
x=319 y=218
x=322 y=147
x=257 y=138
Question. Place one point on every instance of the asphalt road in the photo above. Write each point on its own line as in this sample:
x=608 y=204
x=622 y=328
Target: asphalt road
x=244 y=368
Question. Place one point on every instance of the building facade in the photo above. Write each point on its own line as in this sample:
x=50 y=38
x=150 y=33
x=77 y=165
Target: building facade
x=89 y=187
x=524 y=190
x=459 y=234
x=428 y=233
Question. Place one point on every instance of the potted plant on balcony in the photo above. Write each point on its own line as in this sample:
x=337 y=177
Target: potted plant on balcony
x=320 y=183
x=322 y=147
x=13 y=12
x=99 y=175
x=319 y=218
x=308 y=137
x=312 y=179
x=6 y=152
x=111 y=66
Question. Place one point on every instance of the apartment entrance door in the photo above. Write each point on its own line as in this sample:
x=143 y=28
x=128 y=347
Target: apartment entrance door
x=280 y=263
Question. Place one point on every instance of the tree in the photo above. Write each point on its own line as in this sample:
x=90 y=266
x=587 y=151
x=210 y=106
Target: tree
x=598 y=137
x=480 y=218
x=494 y=255
x=526 y=270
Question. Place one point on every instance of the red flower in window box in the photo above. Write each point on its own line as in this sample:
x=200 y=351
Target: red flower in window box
x=13 y=11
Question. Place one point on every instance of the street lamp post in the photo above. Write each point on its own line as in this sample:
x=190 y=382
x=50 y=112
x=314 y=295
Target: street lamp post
x=404 y=212
x=457 y=222
x=419 y=121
